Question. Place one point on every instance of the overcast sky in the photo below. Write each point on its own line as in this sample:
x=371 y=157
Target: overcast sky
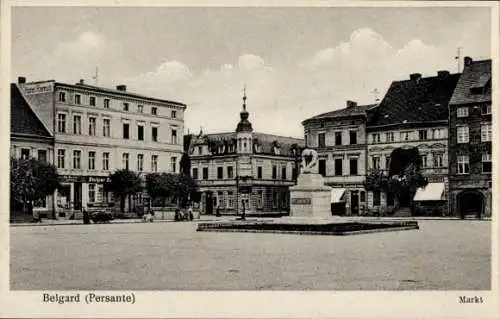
x=296 y=62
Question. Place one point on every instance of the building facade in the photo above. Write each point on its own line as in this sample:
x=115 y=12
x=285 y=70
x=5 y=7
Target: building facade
x=339 y=137
x=30 y=138
x=98 y=130
x=244 y=170
x=471 y=141
x=414 y=113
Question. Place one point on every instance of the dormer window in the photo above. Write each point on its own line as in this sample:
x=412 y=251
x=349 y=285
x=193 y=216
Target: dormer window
x=276 y=150
x=221 y=149
x=258 y=148
x=200 y=150
x=482 y=83
x=231 y=148
x=486 y=109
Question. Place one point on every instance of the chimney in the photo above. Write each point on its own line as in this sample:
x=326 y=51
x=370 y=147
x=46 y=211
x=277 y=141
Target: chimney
x=443 y=74
x=21 y=80
x=81 y=81
x=121 y=87
x=415 y=76
x=351 y=103
x=467 y=61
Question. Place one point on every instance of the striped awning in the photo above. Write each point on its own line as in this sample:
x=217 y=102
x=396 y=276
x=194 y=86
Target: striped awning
x=433 y=191
x=337 y=194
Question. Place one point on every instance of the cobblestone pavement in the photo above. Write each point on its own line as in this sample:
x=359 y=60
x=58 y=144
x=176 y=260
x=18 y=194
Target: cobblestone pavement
x=441 y=255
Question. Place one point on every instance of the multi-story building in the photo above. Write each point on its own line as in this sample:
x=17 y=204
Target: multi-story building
x=98 y=130
x=30 y=137
x=339 y=138
x=244 y=170
x=414 y=113
x=470 y=146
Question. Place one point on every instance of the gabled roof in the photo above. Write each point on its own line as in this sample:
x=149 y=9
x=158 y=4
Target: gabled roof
x=358 y=110
x=23 y=120
x=475 y=75
x=418 y=100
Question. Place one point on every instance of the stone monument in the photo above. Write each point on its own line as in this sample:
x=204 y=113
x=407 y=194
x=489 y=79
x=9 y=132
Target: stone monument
x=310 y=197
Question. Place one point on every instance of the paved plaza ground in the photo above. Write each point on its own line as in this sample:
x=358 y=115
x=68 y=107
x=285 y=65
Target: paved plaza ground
x=441 y=255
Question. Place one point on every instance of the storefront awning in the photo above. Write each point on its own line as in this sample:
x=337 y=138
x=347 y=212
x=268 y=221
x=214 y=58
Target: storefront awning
x=433 y=191
x=337 y=194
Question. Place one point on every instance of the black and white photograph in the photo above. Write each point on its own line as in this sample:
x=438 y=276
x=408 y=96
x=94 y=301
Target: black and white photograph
x=213 y=151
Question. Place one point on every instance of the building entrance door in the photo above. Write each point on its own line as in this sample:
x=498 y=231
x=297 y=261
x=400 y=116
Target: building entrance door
x=77 y=196
x=355 y=203
x=209 y=204
x=470 y=203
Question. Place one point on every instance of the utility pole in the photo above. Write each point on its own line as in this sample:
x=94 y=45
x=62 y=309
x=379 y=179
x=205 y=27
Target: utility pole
x=457 y=57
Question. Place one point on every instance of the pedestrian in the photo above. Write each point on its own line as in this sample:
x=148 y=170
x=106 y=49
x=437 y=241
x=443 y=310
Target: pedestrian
x=190 y=212
x=86 y=216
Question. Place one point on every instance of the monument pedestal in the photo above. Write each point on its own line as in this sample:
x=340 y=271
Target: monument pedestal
x=310 y=198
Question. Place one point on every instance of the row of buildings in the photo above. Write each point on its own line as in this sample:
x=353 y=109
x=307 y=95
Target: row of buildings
x=89 y=131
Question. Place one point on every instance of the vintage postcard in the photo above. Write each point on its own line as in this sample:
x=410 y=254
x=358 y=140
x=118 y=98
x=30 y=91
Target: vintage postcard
x=250 y=159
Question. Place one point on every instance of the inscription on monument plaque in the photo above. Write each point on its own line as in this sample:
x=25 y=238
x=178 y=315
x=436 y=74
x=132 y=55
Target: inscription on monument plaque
x=301 y=201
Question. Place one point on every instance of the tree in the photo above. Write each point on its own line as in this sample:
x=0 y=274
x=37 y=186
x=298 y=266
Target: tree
x=376 y=180
x=123 y=183
x=31 y=180
x=157 y=186
x=177 y=187
x=182 y=189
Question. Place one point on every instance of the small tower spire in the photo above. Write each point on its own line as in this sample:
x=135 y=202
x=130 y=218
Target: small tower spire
x=245 y=97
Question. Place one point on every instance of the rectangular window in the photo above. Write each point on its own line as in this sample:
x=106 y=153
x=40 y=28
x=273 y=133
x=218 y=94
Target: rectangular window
x=260 y=199
x=92 y=126
x=389 y=137
x=92 y=101
x=376 y=162
x=154 y=134
x=259 y=172
x=154 y=163
x=230 y=200
x=25 y=153
x=387 y=162
x=77 y=124
x=283 y=173
x=92 y=193
x=106 y=127
x=173 y=164
x=423 y=161
x=321 y=140
x=78 y=99
x=376 y=198
x=140 y=162
x=462 y=112
x=125 y=106
x=77 y=159
x=353 y=166
x=106 y=103
x=125 y=160
x=92 y=160
x=438 y=160
x=62 y=96
x=486 y=109
x=353 y=137
x=362 y=196
x=105 y=161
x=274 y=173
x=405 y=136
x=376 y=138
x=174 y=114
x=322 y=167
x=61 y=123
x=195 y=173
x=275 y=199
x=140 y=132
x=126 y=132
x=463 y=164
x=220 y=171
x=486 y=132
x=174 y=137
x=338 y=138
x=422 y=135
x=437 y=133
x=486 y=163
x=61 y=158
x=230 y=173
x=463 y=134
x=42 y=155
x=140 y=108
x=338 y=166
x=154 y=110
x=205 y=172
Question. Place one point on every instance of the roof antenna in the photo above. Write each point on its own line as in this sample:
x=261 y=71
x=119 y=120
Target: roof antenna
x=457 y=57
x=96 y=76
x=375 y=93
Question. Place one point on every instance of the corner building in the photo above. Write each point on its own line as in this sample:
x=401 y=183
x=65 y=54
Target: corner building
x=244 y=170
x=471 y=141
x=98 y=130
